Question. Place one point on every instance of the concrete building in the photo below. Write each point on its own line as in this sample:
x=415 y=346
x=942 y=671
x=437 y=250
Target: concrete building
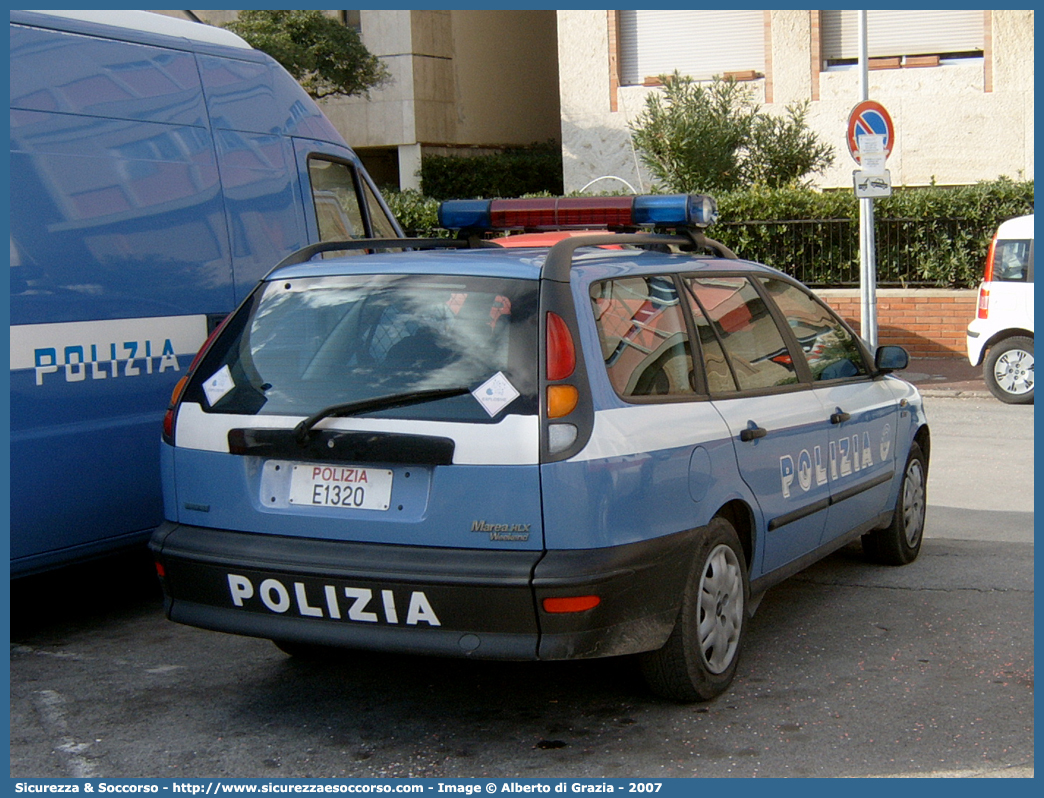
x=462 y=81
x=958 y=84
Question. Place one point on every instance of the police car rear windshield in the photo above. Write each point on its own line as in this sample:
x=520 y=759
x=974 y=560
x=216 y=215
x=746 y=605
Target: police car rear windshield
x=305 y=344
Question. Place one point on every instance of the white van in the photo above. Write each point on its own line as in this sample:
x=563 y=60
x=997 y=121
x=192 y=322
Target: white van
x=1001 y=335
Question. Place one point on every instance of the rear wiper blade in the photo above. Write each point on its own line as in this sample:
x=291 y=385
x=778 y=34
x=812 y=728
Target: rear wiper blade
x=303 y=430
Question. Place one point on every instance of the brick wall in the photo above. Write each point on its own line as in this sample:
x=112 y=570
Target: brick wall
x=927 y=322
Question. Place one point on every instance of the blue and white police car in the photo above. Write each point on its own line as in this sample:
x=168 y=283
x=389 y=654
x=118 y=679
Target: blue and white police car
x=613 y=445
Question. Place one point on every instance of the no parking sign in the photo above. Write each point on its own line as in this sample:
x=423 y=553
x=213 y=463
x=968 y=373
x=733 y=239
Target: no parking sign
x=870 y=118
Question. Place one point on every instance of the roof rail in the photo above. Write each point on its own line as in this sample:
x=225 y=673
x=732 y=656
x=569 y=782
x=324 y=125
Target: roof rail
x=305 y=254
x=559 y=261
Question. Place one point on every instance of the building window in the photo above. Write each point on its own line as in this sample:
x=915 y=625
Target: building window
x=351 y=19
x=700 y=44
x=902 y=38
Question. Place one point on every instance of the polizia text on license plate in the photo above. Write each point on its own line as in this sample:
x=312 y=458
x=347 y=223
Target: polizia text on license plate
x=350 y=487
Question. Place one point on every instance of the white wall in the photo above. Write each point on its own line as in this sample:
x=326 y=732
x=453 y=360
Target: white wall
x=948 y=128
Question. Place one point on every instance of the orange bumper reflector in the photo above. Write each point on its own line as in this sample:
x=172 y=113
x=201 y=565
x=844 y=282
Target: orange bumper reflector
x=161 y=572
x=571 y=603
x=561 y=400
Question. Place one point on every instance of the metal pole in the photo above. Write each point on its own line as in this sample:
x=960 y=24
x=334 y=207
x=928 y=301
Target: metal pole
x=867 y=263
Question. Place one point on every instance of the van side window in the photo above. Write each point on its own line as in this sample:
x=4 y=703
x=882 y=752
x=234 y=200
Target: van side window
x=645 y=341
x=1011 y=261
x=381 y=224
x=831 y=350
x=744 y=327
x=336 y=202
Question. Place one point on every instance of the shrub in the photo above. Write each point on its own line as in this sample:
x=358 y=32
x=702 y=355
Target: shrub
x=512 y=173
x=713 y=137
x=417 y=214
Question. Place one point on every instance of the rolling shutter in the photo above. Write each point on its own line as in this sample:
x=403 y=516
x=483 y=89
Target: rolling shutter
x=896 y=33
x=699 y=44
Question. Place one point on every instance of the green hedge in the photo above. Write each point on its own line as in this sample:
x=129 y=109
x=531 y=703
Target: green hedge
x=511 y=173
x=935 y=236
x=925 y=236
x=417 y=214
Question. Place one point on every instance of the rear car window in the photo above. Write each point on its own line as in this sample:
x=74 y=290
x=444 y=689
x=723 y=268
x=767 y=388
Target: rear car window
x=1011 y=261
x=308 y=343
x=644 y=338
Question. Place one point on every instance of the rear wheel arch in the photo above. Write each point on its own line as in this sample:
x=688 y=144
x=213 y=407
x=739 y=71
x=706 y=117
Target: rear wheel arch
x=738 y=513
x=699 y=659
x=1000 y=337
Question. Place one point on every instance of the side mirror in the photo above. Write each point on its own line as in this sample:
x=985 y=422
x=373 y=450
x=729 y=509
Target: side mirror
x=891 y=358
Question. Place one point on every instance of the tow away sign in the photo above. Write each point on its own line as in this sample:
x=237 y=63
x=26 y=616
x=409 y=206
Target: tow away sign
x=871 y=185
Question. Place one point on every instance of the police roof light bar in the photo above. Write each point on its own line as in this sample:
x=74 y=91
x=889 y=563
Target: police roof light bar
x=649 y=210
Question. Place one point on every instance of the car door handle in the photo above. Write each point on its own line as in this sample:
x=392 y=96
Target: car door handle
x=753 y=433
x=839 y=418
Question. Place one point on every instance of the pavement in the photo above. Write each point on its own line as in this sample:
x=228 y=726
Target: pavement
x=950 y=376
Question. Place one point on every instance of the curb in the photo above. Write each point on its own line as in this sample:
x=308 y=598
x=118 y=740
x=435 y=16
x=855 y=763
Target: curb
x=954 y=394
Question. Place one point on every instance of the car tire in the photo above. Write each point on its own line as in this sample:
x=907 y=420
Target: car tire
x=900 y=542
x=695 y=665
x=1008 y=370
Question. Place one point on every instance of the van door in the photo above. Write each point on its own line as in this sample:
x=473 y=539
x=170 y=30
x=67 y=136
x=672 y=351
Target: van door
x=339 y=199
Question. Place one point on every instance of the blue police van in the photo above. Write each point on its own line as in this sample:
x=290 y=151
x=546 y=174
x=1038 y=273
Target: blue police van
x=613 y=445
x=158 y=169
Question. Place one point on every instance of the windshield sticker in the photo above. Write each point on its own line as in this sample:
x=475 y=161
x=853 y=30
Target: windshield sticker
x=495 y=394
x=217 y=386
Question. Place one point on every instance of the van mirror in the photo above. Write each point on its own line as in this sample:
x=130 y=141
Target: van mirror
x=891 y=358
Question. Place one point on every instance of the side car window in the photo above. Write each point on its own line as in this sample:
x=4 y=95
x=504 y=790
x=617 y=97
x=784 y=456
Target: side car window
x=645 y=341
x=830 y=349
x=745 y=328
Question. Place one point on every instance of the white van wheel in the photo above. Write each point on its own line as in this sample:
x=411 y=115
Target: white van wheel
x=1008 y=370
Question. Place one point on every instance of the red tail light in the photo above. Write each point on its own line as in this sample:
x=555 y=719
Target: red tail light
x=179 y=388
x=172 y=408
x=984 y=302
x=987 y=276
x=561 y=353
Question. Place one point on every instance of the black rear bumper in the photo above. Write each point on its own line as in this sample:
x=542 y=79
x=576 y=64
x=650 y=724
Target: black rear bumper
x=415 y=599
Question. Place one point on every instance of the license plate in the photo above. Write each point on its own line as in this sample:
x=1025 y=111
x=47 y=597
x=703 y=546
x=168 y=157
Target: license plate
x=349 y=487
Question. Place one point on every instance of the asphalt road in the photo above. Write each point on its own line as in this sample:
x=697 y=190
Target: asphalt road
x=849 y=670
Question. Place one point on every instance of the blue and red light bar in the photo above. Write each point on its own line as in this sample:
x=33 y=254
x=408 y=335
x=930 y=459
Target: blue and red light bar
x=648 y=210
